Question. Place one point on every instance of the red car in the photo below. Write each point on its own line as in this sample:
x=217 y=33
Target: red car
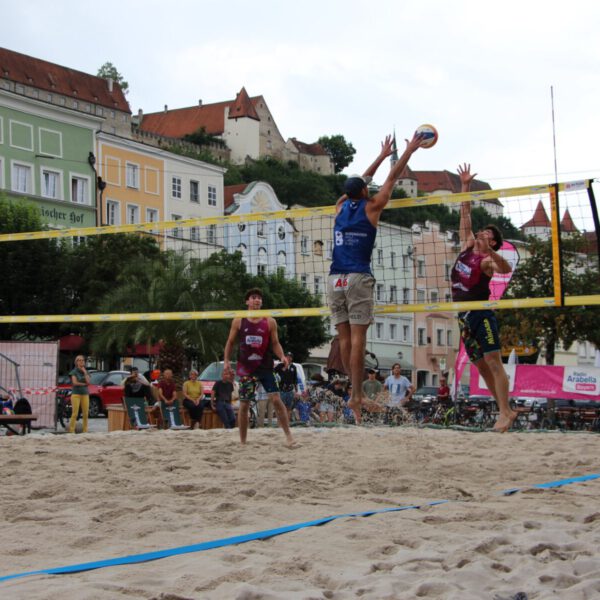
x=104 y=389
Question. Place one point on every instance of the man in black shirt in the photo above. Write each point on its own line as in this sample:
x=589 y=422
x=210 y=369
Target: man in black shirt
x=220 y=399
x=288 y=381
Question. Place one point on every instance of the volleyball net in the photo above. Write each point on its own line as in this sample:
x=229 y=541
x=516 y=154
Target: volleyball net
x=416 y=246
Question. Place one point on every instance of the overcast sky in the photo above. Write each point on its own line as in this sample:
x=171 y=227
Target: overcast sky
x=479 y=71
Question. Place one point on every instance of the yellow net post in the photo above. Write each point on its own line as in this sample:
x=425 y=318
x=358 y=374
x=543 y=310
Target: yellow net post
x=556 y=253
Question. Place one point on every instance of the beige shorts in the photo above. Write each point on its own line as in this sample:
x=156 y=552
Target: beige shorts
x=350 y=298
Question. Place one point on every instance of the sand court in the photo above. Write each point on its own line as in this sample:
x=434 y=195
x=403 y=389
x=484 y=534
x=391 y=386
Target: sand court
x=82 y=498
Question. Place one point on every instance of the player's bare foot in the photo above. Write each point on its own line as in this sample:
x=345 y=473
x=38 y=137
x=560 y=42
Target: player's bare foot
x=290 y=442
x=355 y=404
x=505 y=422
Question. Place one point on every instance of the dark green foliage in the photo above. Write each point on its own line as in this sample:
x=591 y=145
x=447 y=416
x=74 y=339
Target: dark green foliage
x=201 y=138
x=341 y=151
x=448 y=219
x=534 y=279
x=291 y=185
x=31 y=273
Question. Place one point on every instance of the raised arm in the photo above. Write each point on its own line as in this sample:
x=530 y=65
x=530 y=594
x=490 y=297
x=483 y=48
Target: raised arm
x=382 y=197
x=387 y=147
x=465 y=228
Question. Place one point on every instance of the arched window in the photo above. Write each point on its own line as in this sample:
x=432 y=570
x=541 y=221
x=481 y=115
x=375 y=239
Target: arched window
x=262 y=261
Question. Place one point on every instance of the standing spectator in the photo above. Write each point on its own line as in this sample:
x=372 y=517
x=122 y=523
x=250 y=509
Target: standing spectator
x=264 y=407
x=443 y=393
x=288 y=381
x=193 y=396
x=399 y=387
x=79 y=395
x=372 y=386
x=221 y=398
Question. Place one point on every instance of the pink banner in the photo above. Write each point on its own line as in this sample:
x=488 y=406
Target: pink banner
x=546 y=381
x=498 y=286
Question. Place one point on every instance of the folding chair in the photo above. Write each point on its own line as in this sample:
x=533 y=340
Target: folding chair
x=172 y=416
x=136 y=412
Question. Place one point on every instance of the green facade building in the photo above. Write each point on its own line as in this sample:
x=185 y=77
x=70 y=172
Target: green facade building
x=46 y=159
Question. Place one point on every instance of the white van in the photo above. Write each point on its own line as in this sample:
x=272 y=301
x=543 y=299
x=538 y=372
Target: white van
x=214 y=371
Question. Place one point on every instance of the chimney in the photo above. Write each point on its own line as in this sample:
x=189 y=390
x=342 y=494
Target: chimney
x=200 y=102
x=140 y=116
x=166 y=107
x=109 y=80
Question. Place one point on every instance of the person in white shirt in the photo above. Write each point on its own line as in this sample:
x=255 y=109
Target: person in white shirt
x=399 y=387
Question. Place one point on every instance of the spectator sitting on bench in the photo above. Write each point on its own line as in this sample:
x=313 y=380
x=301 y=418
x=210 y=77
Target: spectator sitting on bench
x=193 y=399
x=137 y=386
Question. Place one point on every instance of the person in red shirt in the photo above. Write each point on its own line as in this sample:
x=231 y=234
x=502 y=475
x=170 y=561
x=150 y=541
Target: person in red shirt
x=443 y=393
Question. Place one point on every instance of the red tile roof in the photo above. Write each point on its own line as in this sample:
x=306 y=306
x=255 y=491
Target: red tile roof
x=181 y=121
x=434 y=181
x=230 y=190
x=243 y=107
x=56 y=79
x=314 y=149
x=567 y=224
x=408 y=173
x=539 y=219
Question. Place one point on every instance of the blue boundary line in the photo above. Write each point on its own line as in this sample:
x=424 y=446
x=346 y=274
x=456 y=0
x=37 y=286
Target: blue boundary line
x=261 y=535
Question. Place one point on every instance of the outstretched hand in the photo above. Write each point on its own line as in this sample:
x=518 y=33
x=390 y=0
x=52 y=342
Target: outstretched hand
x=415 y=143
x=387 y=147
x=464 y=172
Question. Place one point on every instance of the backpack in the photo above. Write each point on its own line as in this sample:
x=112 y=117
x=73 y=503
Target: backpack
x=22 y=407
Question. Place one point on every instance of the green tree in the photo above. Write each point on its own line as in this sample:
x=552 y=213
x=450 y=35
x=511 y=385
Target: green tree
x=109 y=70
x=534 y=279
x=32 y=273
x=214 y=284
x=342 y=152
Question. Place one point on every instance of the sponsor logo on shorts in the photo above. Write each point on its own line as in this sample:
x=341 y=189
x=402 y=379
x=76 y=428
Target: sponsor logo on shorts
x=489 y=334
x=340 y=283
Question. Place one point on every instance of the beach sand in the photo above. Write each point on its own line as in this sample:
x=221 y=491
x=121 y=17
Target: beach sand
x=78 y=498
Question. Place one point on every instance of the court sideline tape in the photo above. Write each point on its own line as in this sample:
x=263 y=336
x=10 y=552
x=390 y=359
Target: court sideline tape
x=261 y=535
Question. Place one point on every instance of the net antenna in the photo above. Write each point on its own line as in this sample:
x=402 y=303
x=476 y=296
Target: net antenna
x=553 y=133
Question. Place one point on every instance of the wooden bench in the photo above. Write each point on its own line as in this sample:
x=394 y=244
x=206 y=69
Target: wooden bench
x=23 y=420
x=118 y=421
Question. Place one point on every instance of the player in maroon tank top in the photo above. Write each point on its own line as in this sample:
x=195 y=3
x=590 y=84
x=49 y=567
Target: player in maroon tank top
x=258 y=341
x=471 y=275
